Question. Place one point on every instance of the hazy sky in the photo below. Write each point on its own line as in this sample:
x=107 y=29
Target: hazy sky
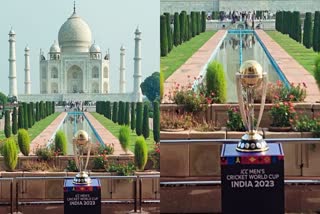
x=112 y=23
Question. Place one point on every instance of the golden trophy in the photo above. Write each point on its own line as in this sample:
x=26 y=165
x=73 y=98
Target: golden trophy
x=81 y=143
x=249 y=79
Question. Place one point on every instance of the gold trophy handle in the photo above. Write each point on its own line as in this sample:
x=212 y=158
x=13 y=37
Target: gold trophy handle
x=264 y=94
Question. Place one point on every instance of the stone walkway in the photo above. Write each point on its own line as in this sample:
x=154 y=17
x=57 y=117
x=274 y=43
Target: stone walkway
x=193 y=66
x=42 y=139
x=293 y=71
x=105 y=135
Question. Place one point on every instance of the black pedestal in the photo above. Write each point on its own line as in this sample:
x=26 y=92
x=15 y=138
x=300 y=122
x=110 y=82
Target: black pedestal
x=82 y=199
x=252 y=182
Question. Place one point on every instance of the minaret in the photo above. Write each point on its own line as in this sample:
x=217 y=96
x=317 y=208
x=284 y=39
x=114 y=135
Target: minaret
x=27 y=82
x=137 y=95
x=122 y=71
x=12 y=64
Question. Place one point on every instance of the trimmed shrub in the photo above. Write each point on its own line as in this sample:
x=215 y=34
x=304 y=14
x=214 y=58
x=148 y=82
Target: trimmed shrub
x=317 y=70
x=216 y=82
x=98 y=107
x=163 y=36
x=145 y=124
x=139 y=118
x=140 y=153
x=14 y=121
x=32 y=113
x=198 y=21
x=133 y=116
x=24 y=141
x=7 y=126
x=37 y=112
x=316 y=32
x=156 y=122
x=20 y=117
x=53 y=107
x=203 y=21
x=124 y=138
x=127 y=114
x=29 y=116
x=296 y=26
x=182 y=26
x=169 y=31
x=115 y=112
x=60 y=142
x=176 y=30
x=307 y=30
x=10 y=154
x=193 y=24
x=41 y=110
x=121 y=113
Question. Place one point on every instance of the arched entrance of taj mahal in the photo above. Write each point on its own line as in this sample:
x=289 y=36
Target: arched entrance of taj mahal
x=74 y=80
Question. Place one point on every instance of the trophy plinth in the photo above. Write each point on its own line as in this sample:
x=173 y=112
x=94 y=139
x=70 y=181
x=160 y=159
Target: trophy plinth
x=249 y=79
x=81 y=142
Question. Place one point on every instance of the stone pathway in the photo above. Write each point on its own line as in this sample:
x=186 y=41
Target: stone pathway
x=293 y=71
x=105 y=135
x=193 y=66
x=42 y=139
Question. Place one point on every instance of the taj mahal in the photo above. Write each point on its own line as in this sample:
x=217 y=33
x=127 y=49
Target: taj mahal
x=75 y=68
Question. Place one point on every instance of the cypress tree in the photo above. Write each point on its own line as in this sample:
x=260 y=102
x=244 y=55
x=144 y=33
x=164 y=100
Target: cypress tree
x=169 y=32
x=316 y=32
x=97 y=107
x=193 y=24
x=14 y=121
x=203 y=21
x=7 y=127
x=25 y=116
x=29 y=115
x=145 y=123
x=156 y=122
x=53 y=107
x=37 y=112
x=139 y=116
x=20 y=117
x=127 y=114
x=187 y=28
x=163 y=36
x=41 y=110
x=277 y=21
x=104 y=108
x=182 y=27
x=133 y=116
x=121 y=113
x=115 y=112
x=176 y=30
x=307 y=29
x=108 y=103
x=32 y=113
x=198 y=20
x=297 y=26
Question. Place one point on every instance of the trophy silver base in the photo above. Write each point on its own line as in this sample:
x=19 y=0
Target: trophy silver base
x=82 y=178
x=252 y=142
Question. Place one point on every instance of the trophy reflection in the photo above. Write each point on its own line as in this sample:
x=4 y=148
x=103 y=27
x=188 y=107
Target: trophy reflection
x=249 y=79
x=81 y=143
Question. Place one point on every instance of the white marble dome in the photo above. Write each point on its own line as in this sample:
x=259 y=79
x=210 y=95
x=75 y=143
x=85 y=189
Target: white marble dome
x=95 y=48
x=55 y=48
x=74 y=35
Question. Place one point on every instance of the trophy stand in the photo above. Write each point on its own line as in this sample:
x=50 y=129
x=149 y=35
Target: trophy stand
x=252 y=171
x=82 y=194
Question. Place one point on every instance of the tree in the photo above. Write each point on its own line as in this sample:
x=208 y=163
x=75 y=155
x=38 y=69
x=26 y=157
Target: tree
x=307 y=29
x=25 y=116
x=14 y=121
x=127 y=114
x=140 y=153
x=21 y=117
x=32 y=114
x=3 y=98
x=215 y=81
x=7 y=127
x=182 y=26
x=156 y=122
x=176 y=30
x=163 y=36
x=150 y=87
x=145 y=123
x=10 y=154
x=133 y=116
x=139 y=117
x=29 y=115
x=121 y=113
x=108 y=110
x=24 y=141
x=115 y=112
x=193 y=24
x=203 y=21
x=41 y=110
x=316 y=32
x=169 y=32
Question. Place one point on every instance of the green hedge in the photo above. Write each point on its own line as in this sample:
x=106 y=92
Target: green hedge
x=10 y=154
x=60 y=142
x=140 y=153
x=124 y=138
x=24 y=141
x=216 y=82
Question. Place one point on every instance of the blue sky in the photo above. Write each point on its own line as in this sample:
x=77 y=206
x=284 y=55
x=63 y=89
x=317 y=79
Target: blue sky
x=112 y=23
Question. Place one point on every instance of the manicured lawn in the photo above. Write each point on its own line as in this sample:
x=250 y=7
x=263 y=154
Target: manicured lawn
x=300 y=53
x=37 y=128
x=114 y=129
x=179 y=55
